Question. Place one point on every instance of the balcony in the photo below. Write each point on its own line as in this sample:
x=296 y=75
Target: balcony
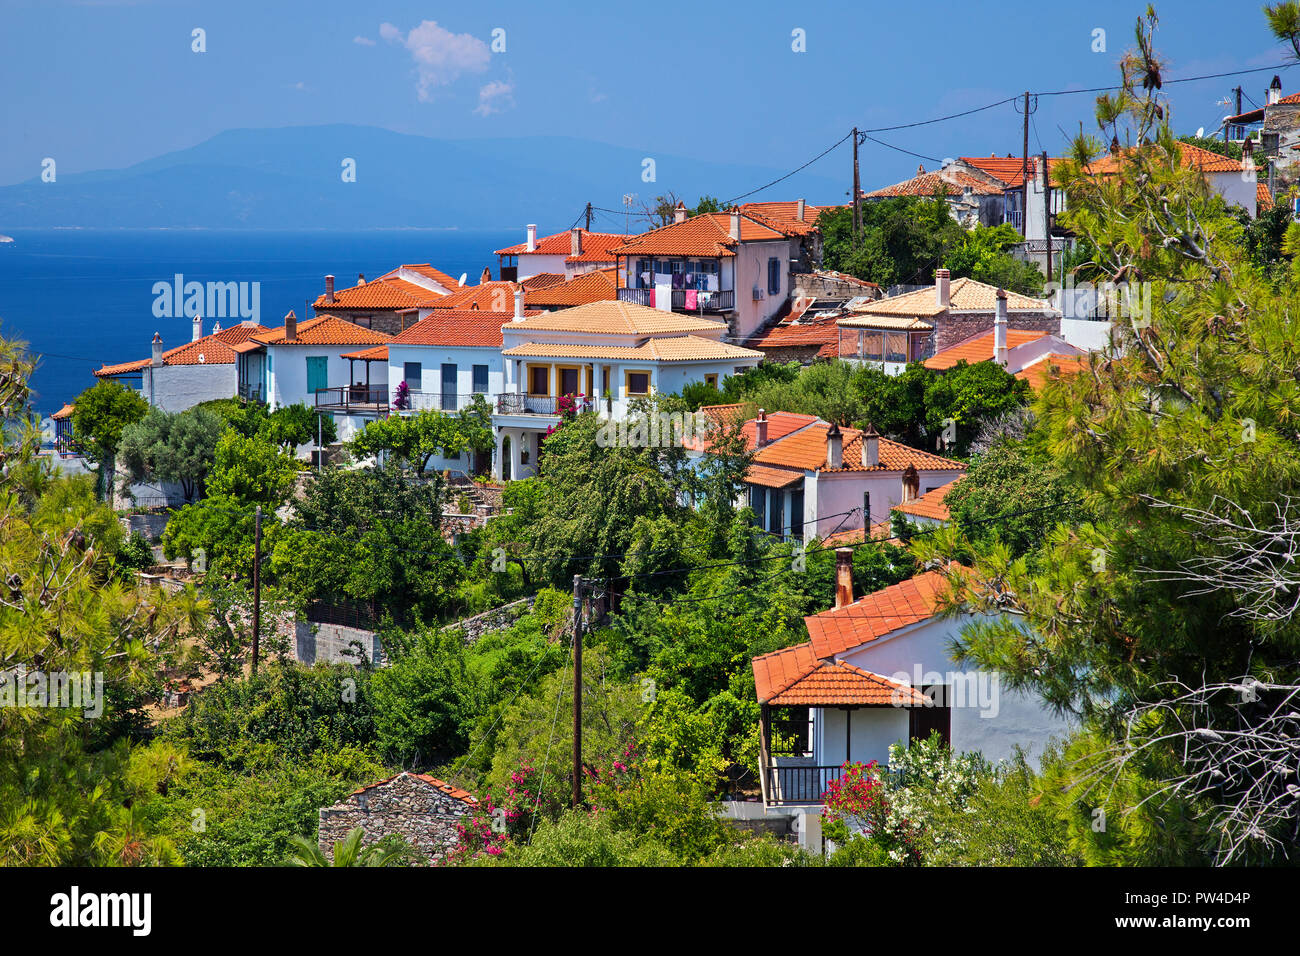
x=512 y=403
x=722 y=301
x=353 y=400
x=252 y=392
x=422 y=401
x=1013 y=217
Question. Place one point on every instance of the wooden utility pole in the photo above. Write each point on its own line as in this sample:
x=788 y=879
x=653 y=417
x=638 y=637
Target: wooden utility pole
x=577 y=691
x=1024 y=174
x=589 y=217
x=1047 y=212
x=857 y=203
x=257 y=584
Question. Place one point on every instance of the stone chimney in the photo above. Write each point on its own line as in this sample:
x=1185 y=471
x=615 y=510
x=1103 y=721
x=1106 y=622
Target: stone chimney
x=531 y=232
x=1000 y=329
x=734 y=231
x=844 y=577
x=760 y=429
x=156 y=358
x=575 y=241
x=1274 y=91
x=291 y=326
x=519 y=305
x=197 y=332
x=870 y=447
x=911 y=483
x=834 y=447
x=329 y=289
x=679 y=212
x=942 y=286
x=799 y=209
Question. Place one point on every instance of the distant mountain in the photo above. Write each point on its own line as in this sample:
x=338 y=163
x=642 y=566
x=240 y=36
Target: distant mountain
x=290 y=178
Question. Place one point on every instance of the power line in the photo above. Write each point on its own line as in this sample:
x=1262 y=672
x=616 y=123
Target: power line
x=733 y=201
x=881 y=142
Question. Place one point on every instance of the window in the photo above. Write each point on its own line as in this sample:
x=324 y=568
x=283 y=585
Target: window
x=872 y=346
x=539 y=380
x=711 y=380
x=774 y=276
x=480 y=378
x=412 y=374
x=318 y=367
x=758 y=503
x=796 y=514
x=569 y=381
x=776 y=512
x=638 y=383
x=896 y=347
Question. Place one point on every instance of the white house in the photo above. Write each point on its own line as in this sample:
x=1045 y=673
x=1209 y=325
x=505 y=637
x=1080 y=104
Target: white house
x=305 y=362
x=879 y=671
x=201 y=370
x=731 y=266
x=811 y=478
x=570 y=254
x=393 y=301
x=600 y=356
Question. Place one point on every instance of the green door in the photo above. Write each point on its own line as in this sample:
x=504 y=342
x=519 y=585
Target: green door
x=317 y=374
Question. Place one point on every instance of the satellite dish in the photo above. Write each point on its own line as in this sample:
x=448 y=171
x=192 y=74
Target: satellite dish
x=463 y=277
x=1200 y=132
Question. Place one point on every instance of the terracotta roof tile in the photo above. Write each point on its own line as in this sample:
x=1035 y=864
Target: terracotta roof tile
x=1062 y=365
x=1010 y=169
x=876 y=615
x=678 y=348
x=806 y=449
x=772 y=477
x=796 y=677
x=63 y=414
x=618 y=318
x=325 y=330
x=215 y=349
x=598 y=286
x=379 y=294
x=1191 y=157
x=977 y=348
x=495 y=296
x=465 y=328
x=952 y=182
x=783 y=215
x=931 y=504
x=447 y=788
x=378 y=353
x=706 y=235
x=596 y=246
x=1263 y=198
x=964 y=295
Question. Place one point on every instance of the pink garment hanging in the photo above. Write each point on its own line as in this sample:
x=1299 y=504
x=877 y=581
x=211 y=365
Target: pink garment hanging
x=652 y=298
x=692 y=298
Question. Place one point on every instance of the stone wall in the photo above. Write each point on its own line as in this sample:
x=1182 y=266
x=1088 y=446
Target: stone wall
x=497 y=619
x=957 y=327
x=829 y=285
x=421 y=810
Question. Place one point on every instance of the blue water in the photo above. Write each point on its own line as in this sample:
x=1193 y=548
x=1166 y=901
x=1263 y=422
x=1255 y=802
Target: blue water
x=81 y=298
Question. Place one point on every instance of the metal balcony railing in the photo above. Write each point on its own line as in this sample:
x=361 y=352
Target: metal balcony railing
x=421 y=401
x=512 y=403
x=721 y=301
x=361 y=399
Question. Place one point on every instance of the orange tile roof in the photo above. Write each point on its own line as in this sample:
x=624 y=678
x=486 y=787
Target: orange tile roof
x=880 y=531
x=806 y=449
x=772 y=477
x=429 y=272
x=381 y=294
x=678 y=348
x=598 y=286
x=542 y=280
x=325 y=330
x=931 y=504
x=596 y=246
x=795 y=677
x=977 y=348
x=1191 y=157
x=1263 y=198
x=1010 y=169
x=875 y=615
x=215 y=349
x=618 y=318
x=783 y=215
x=706 y=235
x=964 y=295
x=447 y=788
x=494 y=296
x=377 y=354
x=63 y=414
x=824 y=333
x=1039 y=373
x=951 y=182
x=464 y=328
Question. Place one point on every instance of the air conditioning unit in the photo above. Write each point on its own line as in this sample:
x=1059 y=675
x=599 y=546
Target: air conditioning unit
x=758 y=293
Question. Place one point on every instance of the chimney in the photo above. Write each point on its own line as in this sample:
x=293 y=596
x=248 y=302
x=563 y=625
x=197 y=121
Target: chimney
x=575 y=241
x=216 y=327
x=329 y=289
x=760 y=429
x=361 y=278
x=844 y=576
x=942 y=284
x=799 y=210
x=920 y=169
x=532 y=237
x=486 y=276
x=291 y=326
x=834 y=447
x=1247 y=150
x=156 y=358
x=911 y=483
x=519 y=305
x=197 y=333
x=679 y=212
x=1000 y=329
x=1274 y=91
x=734 y=231
x=870 y=447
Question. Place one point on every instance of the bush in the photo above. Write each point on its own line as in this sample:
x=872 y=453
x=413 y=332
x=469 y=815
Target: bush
x=135 y=553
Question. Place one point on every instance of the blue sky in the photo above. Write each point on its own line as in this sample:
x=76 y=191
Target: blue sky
x=103 y=84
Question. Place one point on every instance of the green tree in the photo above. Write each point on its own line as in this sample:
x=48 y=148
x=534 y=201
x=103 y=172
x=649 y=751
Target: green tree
x=415 y=439
x=172 y=446
x=350 y=851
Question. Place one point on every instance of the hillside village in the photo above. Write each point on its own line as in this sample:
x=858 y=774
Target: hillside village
x=760 y=536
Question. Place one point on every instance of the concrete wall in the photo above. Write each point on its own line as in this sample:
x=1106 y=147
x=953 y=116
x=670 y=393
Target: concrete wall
x=335 y=643
x=1086 y=334
x=174 y=388
x=751 y=270
x=868 y=737
x=1236 y=189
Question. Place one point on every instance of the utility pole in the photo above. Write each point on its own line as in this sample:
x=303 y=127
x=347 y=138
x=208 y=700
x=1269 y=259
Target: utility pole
x=577 y=690
x=589 y=217
x=857 y=203
x=257 y=584
x=320 y=451
x=1047 y=212
x=1024 y=174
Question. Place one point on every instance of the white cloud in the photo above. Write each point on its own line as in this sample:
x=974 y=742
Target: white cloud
x=495 y=97
x=363 y=41
x=440 y=56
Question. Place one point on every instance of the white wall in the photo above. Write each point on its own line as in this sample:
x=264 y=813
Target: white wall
x=1086 y=334
x=286 y=375
x=1235 y=189
x=533 y=263
x=832 y=493
x=873 y=730
x=174 y=388
x=432 y=358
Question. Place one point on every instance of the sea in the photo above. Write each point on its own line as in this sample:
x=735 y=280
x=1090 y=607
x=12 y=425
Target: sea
x=81 y=298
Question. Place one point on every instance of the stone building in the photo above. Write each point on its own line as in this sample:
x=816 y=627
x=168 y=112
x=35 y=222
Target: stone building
x=422 y=810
